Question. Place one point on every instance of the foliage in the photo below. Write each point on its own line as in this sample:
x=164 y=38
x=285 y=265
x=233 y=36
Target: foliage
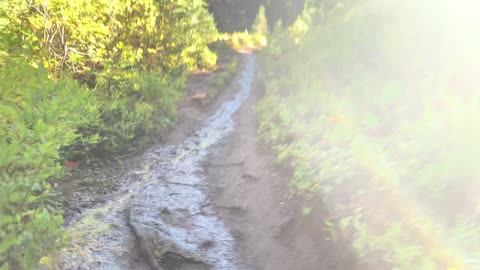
x=110 y=36
x=140 y=101
x=368 y=112
x=255 y=39
x=246 y=42
x=39 y=116
x=260 y=25
x=222 y=78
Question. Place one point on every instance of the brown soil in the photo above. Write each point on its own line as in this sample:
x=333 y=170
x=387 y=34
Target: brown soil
x=192 y=111
x=254 y=200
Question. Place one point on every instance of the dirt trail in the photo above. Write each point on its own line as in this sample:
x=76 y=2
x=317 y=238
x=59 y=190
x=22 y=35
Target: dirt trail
x=158 y=210
x=208 y=198
x=254 y=200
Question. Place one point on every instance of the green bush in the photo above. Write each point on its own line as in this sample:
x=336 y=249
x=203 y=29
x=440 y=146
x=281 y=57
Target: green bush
x=108 y=36
x=38 y=117
x=367 y=110
x=142 y=101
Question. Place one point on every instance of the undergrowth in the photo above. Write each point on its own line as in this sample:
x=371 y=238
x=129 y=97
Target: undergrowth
x=377 y=114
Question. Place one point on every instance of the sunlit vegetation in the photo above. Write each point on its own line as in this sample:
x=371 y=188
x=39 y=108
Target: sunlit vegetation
x=222 y=78
x=206 y=86
x=255 y=39
x=375 y=106
x=80 y=80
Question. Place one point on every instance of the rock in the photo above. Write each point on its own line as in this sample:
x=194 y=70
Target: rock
x=160 y=250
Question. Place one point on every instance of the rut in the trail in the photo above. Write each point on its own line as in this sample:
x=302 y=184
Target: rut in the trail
x=167 y=207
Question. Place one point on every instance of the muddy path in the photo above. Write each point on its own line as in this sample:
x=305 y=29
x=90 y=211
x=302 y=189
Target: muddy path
x=210 y=197
x=159 y=216
x=264 y=215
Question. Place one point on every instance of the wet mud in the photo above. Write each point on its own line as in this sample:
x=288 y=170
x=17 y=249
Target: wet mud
x=160 y=216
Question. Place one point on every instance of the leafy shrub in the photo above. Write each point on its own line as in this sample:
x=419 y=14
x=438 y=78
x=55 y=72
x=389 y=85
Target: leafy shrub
x=245 y=41
x=142 y=101
x=254 y=39
x=38 y=117
x=367 y=110
x=104 y=35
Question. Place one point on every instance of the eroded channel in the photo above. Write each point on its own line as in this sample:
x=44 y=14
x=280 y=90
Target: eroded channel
x=160 y=217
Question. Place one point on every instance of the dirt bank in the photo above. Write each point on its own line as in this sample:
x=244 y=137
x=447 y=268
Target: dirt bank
x=255 y=202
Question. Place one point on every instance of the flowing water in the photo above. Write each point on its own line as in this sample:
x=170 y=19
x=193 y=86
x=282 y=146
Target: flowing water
x=167 y=203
